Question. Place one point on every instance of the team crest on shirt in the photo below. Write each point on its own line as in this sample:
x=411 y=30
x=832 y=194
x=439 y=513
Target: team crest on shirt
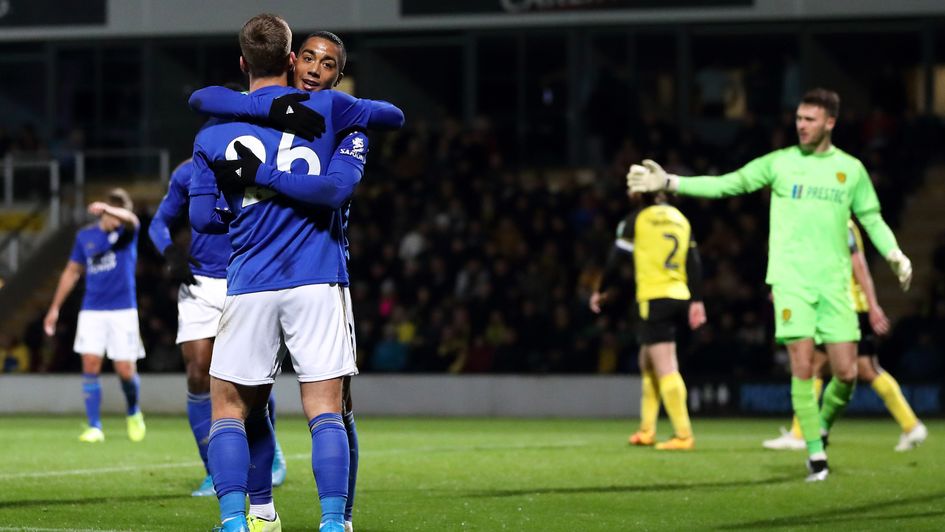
x=841 y=177
x=786 y=314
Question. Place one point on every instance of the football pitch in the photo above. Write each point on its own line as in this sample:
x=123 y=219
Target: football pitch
x=486 y=474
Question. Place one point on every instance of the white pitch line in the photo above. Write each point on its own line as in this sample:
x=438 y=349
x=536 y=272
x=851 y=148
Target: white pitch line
x=95 y=471
x=33 y=529
x=301 y=456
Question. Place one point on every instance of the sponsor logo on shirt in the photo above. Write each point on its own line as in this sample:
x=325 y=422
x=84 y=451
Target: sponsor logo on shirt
x=102 y=263
x=356 y=151
x=831 y=194
x=352 y=153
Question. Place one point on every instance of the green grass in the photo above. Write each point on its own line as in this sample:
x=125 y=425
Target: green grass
x=448 y=474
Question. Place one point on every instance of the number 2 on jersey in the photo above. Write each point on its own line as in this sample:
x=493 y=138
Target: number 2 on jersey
x=669 y=264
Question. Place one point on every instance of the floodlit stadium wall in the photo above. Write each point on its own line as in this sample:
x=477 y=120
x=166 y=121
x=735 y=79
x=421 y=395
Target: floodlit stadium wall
x=428 y=395
x=516 y=396
x=38 y=19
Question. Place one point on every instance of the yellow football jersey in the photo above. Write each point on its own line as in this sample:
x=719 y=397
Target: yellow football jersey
x=860 y=303
x=659 y=237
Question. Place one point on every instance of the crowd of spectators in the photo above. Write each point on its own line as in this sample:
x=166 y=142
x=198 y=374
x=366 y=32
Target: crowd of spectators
x=464 y=262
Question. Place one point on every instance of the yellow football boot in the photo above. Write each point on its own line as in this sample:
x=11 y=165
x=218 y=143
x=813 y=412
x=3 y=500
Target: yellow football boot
x=136 y=428
x=642 y=438
x=92 y=435
x=677 y=444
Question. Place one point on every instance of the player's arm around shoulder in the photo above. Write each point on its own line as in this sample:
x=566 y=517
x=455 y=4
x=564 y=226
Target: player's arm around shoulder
x=348 y=111
x=332 y=189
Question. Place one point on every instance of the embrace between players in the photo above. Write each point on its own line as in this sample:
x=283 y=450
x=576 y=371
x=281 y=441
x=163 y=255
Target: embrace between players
x=284 y=203
x=268 y=192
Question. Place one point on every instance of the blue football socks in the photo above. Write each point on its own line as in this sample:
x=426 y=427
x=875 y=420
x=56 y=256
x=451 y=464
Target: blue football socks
x=330 y=463
x=272 y=409
x=262 y=446
x=229 y=465
x=353 y=462
x=132 y=387
x=92 y=391
x=198 y=414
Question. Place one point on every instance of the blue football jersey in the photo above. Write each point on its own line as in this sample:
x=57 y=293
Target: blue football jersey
x=278 y=242
x=109 y=260
x=211 y=251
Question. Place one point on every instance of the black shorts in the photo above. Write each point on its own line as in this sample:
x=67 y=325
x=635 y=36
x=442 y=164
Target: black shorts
x=867 y=345
x=661 y=321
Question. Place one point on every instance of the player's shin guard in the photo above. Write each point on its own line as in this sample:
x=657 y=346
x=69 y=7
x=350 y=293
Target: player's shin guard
x=262 y=446
x=837 y=395
x=131 y=389
x=649 y=402
x=229 y=465
x=888 y=389
x=92 y=392
x=198 y=414
x=795 y=426
x=353 y=462
x=805 y=408
x=330 y=464
x=673 y=392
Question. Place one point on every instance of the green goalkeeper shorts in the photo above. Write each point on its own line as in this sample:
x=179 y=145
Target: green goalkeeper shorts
x=825 y=313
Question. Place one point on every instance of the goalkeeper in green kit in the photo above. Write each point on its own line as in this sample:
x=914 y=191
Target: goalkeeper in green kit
x=814 y=188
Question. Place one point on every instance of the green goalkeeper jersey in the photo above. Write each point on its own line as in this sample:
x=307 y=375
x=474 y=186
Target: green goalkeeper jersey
x=812 y=196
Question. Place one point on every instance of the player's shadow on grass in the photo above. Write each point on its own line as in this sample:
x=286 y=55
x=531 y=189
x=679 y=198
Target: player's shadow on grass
x=682 y=486
x=27 y=503
x=845 y=514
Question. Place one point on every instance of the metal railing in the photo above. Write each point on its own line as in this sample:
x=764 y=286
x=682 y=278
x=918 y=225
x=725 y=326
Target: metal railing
x=13 y=170
x=82 y=157
x=11 y=244
x=55 y=201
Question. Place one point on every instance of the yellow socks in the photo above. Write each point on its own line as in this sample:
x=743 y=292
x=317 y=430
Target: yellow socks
x=673 y=391
x=795 y=426
x=888 y=389
x=649 y=403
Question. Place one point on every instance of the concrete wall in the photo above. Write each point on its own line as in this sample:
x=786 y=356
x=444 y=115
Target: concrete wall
x=428 y=395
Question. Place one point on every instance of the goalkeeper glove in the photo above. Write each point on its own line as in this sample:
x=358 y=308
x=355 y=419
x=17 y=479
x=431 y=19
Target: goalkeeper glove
x=287 y=114
x=901 y=266
x=238 y=173
x=650 y=178
x=178 y=265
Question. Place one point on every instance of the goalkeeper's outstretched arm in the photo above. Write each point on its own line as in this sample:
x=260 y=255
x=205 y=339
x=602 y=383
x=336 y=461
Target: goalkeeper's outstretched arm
x=650 y=177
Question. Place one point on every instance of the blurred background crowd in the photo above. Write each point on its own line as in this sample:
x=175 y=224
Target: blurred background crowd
x=463 y=263
x=479 y=230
